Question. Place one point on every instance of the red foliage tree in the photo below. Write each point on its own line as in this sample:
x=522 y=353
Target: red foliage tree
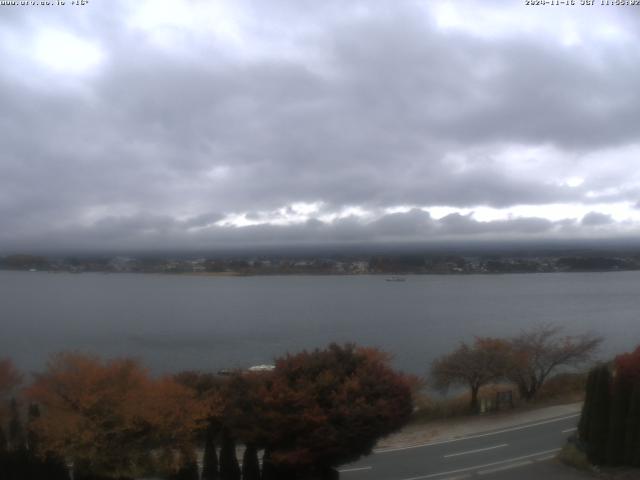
x=627 y=366
x=323 y=408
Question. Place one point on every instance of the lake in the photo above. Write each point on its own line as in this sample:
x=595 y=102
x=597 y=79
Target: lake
x=210 y=323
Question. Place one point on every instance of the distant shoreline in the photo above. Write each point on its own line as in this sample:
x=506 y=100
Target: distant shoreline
x=389 y=265
x=310 y=274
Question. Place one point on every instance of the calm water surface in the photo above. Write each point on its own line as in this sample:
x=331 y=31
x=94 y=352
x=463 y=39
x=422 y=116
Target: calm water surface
x=178 y=322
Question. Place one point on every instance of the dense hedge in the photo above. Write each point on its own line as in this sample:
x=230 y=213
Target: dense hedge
x=609 y=426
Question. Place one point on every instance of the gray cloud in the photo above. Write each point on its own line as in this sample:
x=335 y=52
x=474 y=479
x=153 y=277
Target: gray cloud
x=371 y=105
x=596 y=219
x=161 y=232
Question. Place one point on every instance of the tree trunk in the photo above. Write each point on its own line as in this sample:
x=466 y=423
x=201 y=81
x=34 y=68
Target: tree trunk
x=229 y=468
x=527 y=392
x=16 y=432
x=250 y=464
x=268 y=469
x=32 y=438
x=188 y=468
x=210 y=459
x=474 y=406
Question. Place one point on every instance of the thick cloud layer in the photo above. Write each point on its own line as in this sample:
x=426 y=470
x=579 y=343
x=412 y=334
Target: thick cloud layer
x=205 y=124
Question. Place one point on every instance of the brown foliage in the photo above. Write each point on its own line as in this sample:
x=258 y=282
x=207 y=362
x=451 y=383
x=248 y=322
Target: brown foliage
x=208 y=390
x=10 y=379
x=203 y=383
x=106 y=415
x=472 y=365
x=567 y=386
x=536 y=353
x=244 y=406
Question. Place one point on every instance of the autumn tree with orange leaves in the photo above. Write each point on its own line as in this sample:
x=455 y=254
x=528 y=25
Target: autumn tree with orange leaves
x=107 y=416
x=316 y=410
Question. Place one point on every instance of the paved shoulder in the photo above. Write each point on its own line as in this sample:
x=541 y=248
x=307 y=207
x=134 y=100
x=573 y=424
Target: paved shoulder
x=467 y=426
x=481 y=453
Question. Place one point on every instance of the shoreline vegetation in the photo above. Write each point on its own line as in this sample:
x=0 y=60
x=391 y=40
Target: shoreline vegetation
x=607 y=440
x=111 y=419
x=339 y=265
x=560 y=389
x=305 y=416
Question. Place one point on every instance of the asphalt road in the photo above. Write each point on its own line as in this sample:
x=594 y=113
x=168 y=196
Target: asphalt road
x=521 y=452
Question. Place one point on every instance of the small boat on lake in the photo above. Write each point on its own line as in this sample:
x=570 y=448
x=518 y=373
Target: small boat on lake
x=396 y=279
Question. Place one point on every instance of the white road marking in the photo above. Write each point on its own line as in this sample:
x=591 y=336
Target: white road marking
x=356 y=469
x=569 y=430
x=486 y=465
x=505 y=467
x=546 y=458
x=471 y=437
x=476 y=450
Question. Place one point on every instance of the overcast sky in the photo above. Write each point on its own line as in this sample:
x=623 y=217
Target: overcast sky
x=202 y=124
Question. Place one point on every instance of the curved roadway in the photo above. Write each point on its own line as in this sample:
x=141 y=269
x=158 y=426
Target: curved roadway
x=494 y=454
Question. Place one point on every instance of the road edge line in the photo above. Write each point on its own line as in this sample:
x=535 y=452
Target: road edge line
x=479 y=435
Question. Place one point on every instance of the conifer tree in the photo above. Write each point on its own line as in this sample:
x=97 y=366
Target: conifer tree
x=210 y=459
x=3 y=441
x=625 y=428
x=620 y=397
x=632 y=436
x=250 y=464
x=4 y=460
x=598 y=427
x=33 y=415
x=268 y=469
x=587 y=408
x=229 y=468
x=16 y=431
x=188 y=467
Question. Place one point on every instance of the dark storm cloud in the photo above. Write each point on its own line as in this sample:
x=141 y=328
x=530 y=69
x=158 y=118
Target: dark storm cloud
x=161 y=232
x=162 y=141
